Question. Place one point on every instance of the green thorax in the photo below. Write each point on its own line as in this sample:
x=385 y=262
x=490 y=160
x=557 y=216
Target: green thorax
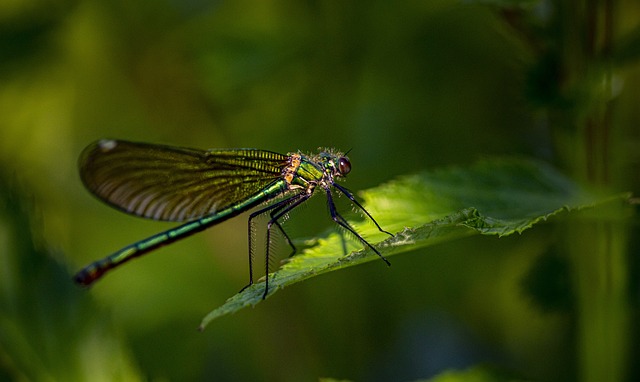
x=313 y=170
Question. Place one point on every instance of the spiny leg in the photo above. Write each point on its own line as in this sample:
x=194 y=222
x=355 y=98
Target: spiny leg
x=275 y=206
x=287 y=238
x=343 y=241
x=349 y=195
x=343 y=223
x=282 y=210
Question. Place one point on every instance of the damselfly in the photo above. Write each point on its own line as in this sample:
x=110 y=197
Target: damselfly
x=204 y=188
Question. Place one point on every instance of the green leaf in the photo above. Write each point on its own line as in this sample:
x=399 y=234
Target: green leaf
x=496 y=197
x=46 y=321
x=475 y=374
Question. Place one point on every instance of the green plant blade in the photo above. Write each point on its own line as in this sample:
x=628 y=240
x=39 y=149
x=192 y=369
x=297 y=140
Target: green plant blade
x=46 y=322
x=494 y=197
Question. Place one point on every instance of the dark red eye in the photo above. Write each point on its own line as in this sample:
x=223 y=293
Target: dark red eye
x=344 y=165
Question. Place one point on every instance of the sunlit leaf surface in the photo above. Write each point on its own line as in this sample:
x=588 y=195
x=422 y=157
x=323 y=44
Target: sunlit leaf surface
x=497 y=197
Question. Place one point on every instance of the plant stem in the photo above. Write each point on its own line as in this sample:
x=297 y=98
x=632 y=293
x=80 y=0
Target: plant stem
x=598 y=243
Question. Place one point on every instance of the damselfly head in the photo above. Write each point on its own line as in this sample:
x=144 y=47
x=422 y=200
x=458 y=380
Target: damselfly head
x=334 y=162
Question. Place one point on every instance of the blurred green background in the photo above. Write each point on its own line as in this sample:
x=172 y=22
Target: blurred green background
x=408 y=86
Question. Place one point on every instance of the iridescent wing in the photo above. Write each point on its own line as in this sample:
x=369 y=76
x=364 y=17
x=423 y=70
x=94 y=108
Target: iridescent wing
x=175 y=184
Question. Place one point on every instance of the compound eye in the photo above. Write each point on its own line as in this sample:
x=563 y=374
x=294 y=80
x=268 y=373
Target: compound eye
x=344 y=165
